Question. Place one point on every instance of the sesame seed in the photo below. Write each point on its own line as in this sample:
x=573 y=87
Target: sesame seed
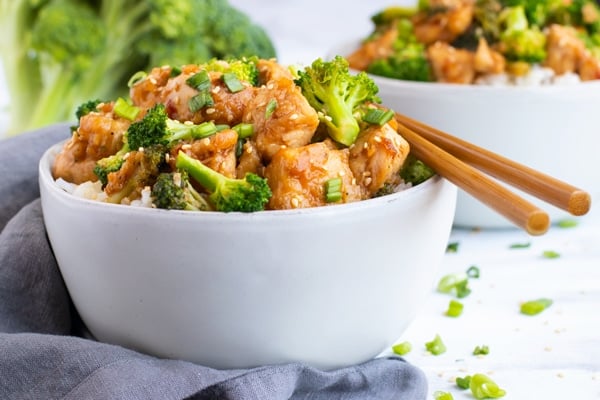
x=189 y=123
x=354 y=181
x=377 y=139
x=367 y=181
x=270 y=85
x=126 y=156
x=365 y=145
x=294 y=116
x=216 y=89
x=177 y=100
x=210 y=110
x=206 y=141
x=167 y=157
x=295 y=202
x=341 y=173
x=249 y=150
x=141 y=149
x=328 y=118
x=560 y=375
x=366 y=173
x=186 y=146
x=153 y=81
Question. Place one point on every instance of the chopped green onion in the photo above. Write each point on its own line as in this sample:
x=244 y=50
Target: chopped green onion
x=135 y=78
x=452 y=247
x=333 y=190
x=199 y=81
x=439 y=395
x=271 y=106
x=436 y=346
x=464 y=382
x=244 y=130
x=455 y=308
x=457 y=283
x=221 y=127
x=239 y=147
x=550 y=254
x=378 y=116
x=534 y=307
x=125 y=110
x=402 y=348
x=482 y=387
x=473 y=272
x=567 y=223
x=200 y=100
x=232 y=82
x=520 y=245
x=481 y=350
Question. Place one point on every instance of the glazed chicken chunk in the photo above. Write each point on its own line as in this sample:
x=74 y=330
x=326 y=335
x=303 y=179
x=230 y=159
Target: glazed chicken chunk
x=376 y=158
x=99 y=135
x=297 y=176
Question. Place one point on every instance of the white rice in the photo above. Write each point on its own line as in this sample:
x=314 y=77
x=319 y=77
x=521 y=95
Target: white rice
x=537 y=76
x=93 y=191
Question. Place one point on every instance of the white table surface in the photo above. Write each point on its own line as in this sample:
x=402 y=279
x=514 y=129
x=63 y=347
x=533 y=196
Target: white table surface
x=551 y=356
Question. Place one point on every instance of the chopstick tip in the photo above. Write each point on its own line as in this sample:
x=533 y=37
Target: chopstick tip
x=538 y=223
x=579 y=203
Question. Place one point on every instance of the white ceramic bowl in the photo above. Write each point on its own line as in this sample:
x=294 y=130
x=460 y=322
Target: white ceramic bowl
x=329 y=286
x=553 y=129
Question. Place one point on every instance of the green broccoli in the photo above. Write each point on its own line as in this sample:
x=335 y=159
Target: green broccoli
x=155 y=129
x=415 y=171
x=145 y=167
x=337 y=96
x=227 y=194
x=519 y=41
x=538 y=12
x=245 y=68
x=580 y=13
x=173 y=191
x=58 y=53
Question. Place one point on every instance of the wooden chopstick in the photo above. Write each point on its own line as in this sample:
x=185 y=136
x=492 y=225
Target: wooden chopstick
x=549 y=189
x=522 y=213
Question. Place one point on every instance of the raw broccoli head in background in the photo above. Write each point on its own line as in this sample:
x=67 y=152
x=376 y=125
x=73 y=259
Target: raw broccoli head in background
x=518 y=40
x=58 y=53
x=337 y=95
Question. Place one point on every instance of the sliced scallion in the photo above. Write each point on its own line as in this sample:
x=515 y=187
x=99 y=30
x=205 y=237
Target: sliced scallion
x=199 y=101
x=534 y=307
x=125 y=110
x=436 y=346
x=473 y=272
x=271 y=106
x=464 y=382
x=455 y=308
x=452 y=247
x=232 y=82
x=481 y=350
x=402 y=348
x=378 y=116
x=135 y=78
x=482 y=387
x=567 y=223
x=550 y=254
x=244 y=130
x=524 y=245
x=439 y=395
x=199 y=81
x=333 y=190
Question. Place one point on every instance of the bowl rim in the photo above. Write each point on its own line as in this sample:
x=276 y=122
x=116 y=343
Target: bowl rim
x=344 y=49
x=47 y=181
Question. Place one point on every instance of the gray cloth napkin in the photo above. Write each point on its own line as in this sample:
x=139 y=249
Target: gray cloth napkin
x=44 y=354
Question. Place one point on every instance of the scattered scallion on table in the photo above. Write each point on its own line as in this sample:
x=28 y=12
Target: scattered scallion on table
x=534 y=307
x=439 y=395
x=463 y=382
x=481 y=350
x=436 y=346
x=455 y=308
x=567 y=223
x=482 y=387
x=452 y=247
x=523 y=245
x=402 y=348
x=550 y=254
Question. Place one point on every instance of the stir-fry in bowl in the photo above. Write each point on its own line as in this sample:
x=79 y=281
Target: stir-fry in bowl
x=222 y=215
x=541 y=112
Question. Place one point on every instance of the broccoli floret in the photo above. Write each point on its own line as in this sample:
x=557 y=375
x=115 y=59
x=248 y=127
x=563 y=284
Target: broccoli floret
x=86 y=108
x=58 y=53
x=137 y=171
x=415 y=171
x=538 y=12
x=156 y=128
x=519 y=41
x=107 y=165
x=580 y=13
x=173 y=191
x=245 y=69
x=227 y=194
x=408 y=60
x=337 y=96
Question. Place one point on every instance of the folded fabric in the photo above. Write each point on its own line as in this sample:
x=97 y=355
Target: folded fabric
x=44 y=353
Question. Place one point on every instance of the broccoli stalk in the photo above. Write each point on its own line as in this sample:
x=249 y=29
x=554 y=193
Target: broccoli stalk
x=227 y=194
x=337 y=96
x=173 y=191
x=58 y=53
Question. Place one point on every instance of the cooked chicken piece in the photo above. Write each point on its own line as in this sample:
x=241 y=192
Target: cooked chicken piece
x=228 y=107
x=147 y=92
x=216 y=151
x=100 y=134
x=451 y=65
x=564 y=49
x=269 y=70
x=444 y=25
x=488 y=61
x=135 y=174
x=369 y=51
x=589 y=67
x=297 y=176
x=281 y=117
x=377 y=156
x=249 y=161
